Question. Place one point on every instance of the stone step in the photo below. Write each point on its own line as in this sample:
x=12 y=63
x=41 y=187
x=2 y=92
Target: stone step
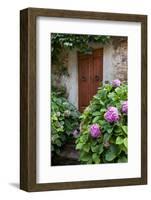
x=68 y=156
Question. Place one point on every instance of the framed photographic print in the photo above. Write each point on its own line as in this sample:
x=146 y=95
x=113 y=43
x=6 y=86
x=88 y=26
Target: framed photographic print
x=83 y=93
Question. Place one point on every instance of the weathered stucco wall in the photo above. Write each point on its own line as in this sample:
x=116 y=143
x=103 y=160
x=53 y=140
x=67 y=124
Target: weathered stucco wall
x=114 y=66
x=71 y=82
x=108 y=71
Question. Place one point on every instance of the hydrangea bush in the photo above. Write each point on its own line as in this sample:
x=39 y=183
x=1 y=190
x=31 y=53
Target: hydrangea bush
x=103 y=130
x=64 y=120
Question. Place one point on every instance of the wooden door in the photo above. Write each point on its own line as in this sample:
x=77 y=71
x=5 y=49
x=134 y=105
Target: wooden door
x=90 y=74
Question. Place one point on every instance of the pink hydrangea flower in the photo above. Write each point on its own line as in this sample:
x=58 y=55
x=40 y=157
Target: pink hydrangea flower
x=116 y=83
x=95 y=131
x=112 y=115
x=125 y=107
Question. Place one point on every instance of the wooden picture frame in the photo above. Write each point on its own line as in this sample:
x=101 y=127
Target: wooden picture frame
x=28 y=99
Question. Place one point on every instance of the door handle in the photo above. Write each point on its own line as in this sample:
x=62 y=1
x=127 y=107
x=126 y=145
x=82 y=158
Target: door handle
x=97 y=78
x=83 y=78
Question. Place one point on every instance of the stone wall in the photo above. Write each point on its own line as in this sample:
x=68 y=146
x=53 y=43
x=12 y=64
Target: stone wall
x=120 y=58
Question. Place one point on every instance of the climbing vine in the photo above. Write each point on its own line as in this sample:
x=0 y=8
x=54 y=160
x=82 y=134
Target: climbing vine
x=61 y=44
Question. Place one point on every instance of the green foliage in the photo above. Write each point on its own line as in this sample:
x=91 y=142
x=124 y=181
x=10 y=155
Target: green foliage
x=112 y=145
x=64 y=119
x=60 y=90
x=63 y=43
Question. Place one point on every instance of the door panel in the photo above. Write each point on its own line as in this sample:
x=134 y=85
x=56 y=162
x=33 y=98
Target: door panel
x=90 y=73
x=97 y=69
x=84 y=82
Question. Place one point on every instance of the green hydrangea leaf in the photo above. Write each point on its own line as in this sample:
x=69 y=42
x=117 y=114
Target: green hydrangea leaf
x=101 y=148
x=85 y=157
x=95 y=120
x=109 y=130
x=79 y=146
x=90 y=161
x=109 y=156
x=96 y=158
x=84 y=138
x=122 y=159
x=97 y=113
x=126 y=142
x=123 y=148
x=103 y=110
x=86 y=147
x=125 y=129
x=106 y=137
x=95 y=148
x=112 y=153
x=119 y=140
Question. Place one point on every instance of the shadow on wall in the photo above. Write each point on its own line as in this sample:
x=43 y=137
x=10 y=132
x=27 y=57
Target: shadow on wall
x=15 y=185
